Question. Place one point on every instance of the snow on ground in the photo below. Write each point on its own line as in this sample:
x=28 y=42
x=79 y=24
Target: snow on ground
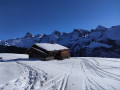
x=9 y=56
x=77 y=73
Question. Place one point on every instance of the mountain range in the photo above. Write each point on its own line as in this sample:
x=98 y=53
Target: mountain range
x=99 y=42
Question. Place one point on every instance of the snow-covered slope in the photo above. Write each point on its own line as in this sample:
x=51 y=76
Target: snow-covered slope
x=26 y=42
x=86 y=73
x=1 y=42
x=97 y=44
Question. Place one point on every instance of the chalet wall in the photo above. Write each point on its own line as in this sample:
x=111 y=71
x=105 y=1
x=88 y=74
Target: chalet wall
x=57 y=54
x=35 y=54
x=65 y=54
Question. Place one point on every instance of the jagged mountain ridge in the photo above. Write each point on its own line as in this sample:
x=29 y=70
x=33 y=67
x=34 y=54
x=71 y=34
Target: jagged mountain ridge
x=56 y=36
x=81 y=42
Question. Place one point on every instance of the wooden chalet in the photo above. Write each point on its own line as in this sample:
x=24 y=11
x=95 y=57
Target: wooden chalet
x=47 y=51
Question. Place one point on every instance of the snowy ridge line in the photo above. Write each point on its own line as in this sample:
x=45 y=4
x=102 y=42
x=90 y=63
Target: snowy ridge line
x=34 y=78
x=59 y=82
x=101 y=75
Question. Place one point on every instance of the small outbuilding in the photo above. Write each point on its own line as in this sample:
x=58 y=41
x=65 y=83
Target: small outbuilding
x=47 y=51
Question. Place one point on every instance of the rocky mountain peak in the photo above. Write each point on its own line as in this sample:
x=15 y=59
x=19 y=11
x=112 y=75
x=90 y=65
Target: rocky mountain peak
x=38 y=35
x=56 y=32
x=99 y=27
x=118 y=26
x=80 y=32
x=28 y=35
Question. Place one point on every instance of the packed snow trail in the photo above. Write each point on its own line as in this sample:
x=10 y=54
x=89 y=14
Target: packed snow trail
x=35 y=77
x=58 y=82
x=31 y=79
x=97 y=78
x=85 y=73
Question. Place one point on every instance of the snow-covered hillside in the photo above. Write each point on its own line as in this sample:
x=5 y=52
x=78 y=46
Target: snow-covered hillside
x=85 y=73
x=105 y=42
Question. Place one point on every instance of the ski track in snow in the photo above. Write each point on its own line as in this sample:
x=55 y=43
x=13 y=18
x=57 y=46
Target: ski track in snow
x=35 y=78
x=59 y=82
x=91 y=83
x=90 y=73
x=85 y=66
x=31 y=79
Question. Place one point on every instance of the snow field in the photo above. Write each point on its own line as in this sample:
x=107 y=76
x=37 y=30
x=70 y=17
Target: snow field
x=77 y=73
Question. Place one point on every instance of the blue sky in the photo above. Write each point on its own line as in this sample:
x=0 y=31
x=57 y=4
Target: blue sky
x=44 y=16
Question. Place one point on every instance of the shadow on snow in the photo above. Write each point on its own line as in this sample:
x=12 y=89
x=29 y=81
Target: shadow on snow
x=20 y=59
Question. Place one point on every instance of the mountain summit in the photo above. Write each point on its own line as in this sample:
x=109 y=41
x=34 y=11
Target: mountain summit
x=28 y=35
x=99 y=27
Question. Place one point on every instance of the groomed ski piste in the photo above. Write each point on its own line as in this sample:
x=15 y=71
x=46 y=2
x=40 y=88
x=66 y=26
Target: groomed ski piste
x=17 y=72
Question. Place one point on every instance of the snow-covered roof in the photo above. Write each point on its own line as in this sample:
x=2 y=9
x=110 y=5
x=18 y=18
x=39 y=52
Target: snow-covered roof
x=51 y=47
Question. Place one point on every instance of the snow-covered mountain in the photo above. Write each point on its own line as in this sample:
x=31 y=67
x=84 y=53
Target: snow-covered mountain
x=1 y=42
x=97 y=42
x=56 y=36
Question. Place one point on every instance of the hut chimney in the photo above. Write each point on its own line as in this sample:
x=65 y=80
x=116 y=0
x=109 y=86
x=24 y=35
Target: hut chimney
x=52 y=42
